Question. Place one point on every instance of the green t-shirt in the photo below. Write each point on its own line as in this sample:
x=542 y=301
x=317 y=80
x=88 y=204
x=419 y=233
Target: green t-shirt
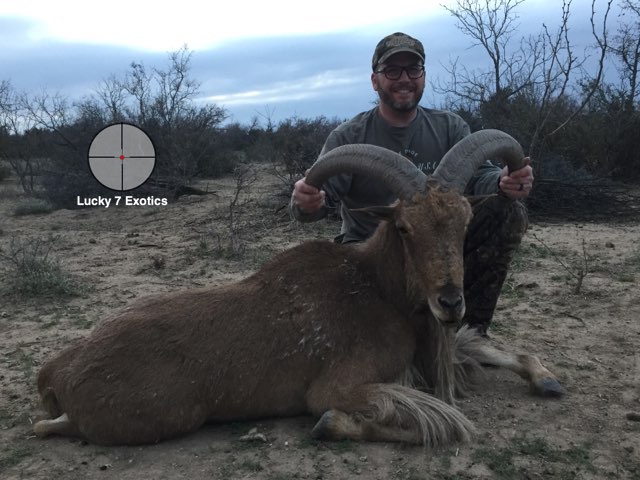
x=425 y=141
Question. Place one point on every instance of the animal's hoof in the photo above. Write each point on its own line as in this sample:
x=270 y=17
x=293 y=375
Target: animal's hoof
x=321 y=429
x=548 y=387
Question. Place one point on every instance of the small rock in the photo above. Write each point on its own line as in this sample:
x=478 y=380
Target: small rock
x=363 y=458
x=609 y=245
x=253 y=436
x=633 y=416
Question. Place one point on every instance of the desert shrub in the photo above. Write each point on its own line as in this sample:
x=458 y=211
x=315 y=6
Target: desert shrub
x=231 y=147
x=296 y=144
x=33 y=273
x=605 y=142
x=52 y=161
x=5 y=171
x=66 y=174
x=33 y=206
x=186 y=144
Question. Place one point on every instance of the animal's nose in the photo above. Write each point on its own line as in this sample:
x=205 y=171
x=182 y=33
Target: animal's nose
x=451 y=301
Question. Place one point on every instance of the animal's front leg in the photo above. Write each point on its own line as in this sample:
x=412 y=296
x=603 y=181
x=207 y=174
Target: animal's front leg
x=338 y=425
x=390 y=412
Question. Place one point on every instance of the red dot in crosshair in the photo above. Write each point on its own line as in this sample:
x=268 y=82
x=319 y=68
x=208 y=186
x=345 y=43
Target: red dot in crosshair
x=121 y=157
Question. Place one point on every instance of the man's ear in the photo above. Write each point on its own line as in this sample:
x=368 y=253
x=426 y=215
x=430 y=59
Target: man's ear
x=380 y=212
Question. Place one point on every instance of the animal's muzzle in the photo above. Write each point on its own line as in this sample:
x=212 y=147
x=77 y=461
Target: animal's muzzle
x=451 y=301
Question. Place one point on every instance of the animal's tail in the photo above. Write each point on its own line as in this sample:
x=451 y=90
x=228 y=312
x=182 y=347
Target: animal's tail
x=47 y=391
x=60 y=423
x=51 y=378
x=436 y=422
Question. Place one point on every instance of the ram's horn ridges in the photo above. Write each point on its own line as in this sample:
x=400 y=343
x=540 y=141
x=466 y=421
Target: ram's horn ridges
x=399 y=175
x=461 y=162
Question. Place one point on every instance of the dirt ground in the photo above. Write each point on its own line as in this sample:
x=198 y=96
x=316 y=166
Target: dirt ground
x=590 y=339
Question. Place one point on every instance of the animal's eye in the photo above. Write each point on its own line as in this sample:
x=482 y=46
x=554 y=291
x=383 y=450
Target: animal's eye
x=402 y=229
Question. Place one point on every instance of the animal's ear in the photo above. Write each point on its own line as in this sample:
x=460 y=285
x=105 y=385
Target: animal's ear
x=380 y=212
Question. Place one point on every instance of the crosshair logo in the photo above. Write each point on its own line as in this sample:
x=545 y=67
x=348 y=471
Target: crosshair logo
x=122 y=156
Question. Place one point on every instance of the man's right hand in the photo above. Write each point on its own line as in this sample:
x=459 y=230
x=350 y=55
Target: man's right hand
x=308 y=198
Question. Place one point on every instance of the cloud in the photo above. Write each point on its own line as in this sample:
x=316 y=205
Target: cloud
x=74 y=70
x=16 y=33
x=314 y=86
x=306 y=74
x=167 y=25
x=298 y=76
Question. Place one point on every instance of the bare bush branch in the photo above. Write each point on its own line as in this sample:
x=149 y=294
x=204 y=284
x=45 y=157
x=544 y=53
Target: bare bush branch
x=626 y=48
x=576 y=272
x=601 y=39
x=244 y=177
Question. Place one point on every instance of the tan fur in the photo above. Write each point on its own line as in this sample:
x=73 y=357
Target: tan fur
x=320 y=329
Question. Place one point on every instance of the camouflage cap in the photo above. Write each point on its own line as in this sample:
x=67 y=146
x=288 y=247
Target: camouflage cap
x=396 y=43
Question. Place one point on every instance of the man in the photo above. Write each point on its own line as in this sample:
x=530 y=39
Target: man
x=423 y=136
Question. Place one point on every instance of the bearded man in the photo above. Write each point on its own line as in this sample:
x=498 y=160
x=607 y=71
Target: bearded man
x=423 y=136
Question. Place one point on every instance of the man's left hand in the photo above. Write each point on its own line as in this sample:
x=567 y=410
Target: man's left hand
x=518 y=183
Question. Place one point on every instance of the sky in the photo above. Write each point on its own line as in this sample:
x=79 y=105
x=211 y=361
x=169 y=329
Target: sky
x=271 y=59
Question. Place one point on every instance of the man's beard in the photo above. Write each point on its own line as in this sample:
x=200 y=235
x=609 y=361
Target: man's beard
x=386 y=97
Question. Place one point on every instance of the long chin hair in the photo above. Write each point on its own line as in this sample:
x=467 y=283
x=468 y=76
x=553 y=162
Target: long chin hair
x=443 y=363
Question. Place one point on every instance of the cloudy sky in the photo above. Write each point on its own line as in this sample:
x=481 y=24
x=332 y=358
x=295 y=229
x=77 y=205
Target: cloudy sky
x=277 y=58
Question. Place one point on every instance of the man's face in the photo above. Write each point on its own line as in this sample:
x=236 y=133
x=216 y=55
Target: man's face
x=403 y=94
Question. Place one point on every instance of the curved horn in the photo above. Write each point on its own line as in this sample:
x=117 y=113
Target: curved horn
x=398 y=174
x=460 y=163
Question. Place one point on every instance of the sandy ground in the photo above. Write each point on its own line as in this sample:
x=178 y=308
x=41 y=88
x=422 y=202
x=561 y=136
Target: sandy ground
x=590 y=339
